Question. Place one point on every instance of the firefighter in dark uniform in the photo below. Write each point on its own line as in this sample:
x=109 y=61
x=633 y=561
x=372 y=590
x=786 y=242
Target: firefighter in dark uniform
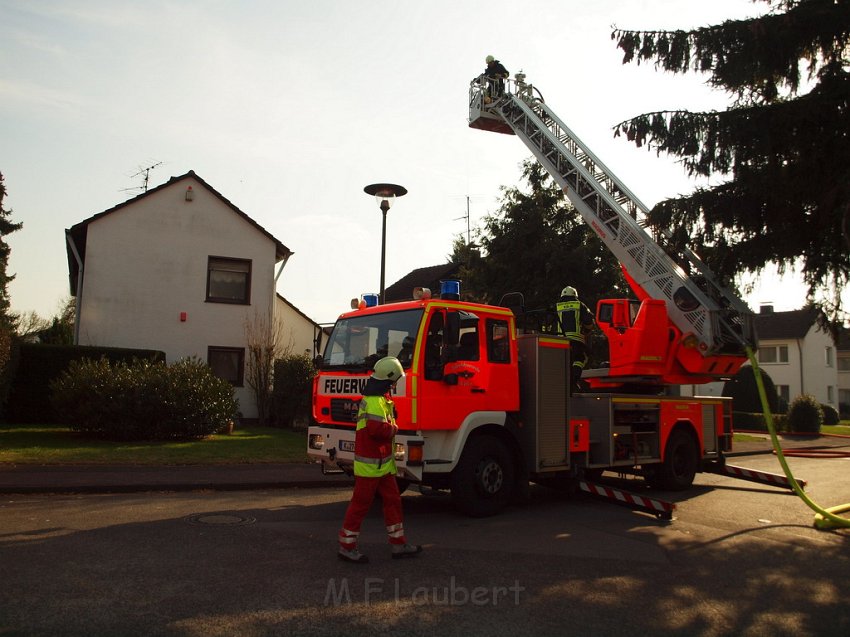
x=576 y=321
x=496 y=75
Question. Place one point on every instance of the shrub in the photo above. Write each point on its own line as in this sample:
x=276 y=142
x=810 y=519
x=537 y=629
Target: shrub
x=744 y=391
x=744 y=421
x=805 y=414
x=36 y=365
x=293 y=382
x=830 y=415
x=143 y=400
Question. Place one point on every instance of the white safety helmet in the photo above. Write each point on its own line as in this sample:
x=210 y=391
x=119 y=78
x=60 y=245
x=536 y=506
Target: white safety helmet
x=388 y=368
x=569 y=291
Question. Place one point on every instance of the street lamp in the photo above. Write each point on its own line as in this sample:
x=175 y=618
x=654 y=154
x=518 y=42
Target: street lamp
x=385 y=194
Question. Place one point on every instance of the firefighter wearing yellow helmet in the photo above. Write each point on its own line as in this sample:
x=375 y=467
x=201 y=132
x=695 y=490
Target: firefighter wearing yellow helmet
x=374 y=466
x=496 y=75
x=576 y=321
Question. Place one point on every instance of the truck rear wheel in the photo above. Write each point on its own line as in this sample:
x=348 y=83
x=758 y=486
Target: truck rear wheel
x=482 y=482
x=681 y=461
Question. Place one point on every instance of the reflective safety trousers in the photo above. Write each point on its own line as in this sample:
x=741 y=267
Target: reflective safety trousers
x=373 y=442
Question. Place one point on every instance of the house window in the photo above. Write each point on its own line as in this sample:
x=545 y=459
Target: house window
x=844 y=401
x=784 y=392
x=228 y=363
x=844 y=363
x=829 y=355
x=830 y=394
x=773 y=354
x=498 y=341
x=229 y=280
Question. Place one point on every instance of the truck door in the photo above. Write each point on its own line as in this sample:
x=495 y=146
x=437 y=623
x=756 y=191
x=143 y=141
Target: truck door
x=453 y=378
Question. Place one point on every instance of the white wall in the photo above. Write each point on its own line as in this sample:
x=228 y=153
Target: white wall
x=806 y=370
x=297 y=331
x=147 y=262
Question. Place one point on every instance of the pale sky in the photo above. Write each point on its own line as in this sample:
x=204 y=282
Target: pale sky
x=289 y=109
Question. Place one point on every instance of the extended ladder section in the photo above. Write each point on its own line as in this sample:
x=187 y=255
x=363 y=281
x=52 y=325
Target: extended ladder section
x=696 y=301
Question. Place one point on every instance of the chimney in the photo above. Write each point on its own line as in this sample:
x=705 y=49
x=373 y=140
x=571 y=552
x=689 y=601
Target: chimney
x=766 y=308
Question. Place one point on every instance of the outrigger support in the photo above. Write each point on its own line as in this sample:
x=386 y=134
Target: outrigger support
x=659 y=508
x=751 y=475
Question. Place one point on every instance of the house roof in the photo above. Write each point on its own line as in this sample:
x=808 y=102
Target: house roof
x=79 y=232
x=289 y=303
x=428 y=277
x=793 y=324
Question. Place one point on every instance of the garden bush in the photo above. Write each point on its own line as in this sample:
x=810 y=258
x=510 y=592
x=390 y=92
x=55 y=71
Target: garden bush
x=34 y=366
x=143 y=400
x=805 y=414
x=293 y=383
x=830 y=415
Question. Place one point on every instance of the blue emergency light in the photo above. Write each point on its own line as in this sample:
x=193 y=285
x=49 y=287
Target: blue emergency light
x=450 y=289
x=371 y=300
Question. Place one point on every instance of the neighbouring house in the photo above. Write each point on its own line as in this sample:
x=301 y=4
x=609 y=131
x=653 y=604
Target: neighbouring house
x=428 y=277
x=798 y=354
x=844 y=373
x=181 y=269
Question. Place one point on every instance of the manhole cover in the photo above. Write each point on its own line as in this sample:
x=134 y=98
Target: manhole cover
x=220 y=519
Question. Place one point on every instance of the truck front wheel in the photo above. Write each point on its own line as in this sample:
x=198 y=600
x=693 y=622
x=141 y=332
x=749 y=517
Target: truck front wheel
x=681 y=461
x=483 y=480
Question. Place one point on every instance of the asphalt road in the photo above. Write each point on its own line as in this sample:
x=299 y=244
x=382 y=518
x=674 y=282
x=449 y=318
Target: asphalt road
x=738 y=559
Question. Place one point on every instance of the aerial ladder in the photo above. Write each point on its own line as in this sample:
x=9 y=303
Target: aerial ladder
x=686 y=326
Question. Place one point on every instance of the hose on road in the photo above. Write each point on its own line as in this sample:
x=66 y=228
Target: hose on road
x=824 y=518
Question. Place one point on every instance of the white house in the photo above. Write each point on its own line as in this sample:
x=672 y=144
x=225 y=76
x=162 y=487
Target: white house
x=181 y=269
x=844 y=373
x=798 y=354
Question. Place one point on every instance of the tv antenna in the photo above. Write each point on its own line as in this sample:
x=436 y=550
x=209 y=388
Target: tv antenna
x=467 y=217
x=145 y=173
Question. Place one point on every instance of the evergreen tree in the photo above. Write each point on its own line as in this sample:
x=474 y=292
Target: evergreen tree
x=537 y=243
x=7 y=319
x=782 y=146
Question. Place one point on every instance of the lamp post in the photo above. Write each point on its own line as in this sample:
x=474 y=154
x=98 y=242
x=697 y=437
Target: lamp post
x=385 y=194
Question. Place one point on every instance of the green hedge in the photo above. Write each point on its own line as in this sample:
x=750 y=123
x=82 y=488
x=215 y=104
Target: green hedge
x=756 y=422
x=293 y=384
x=35 y=366
x=143 y=400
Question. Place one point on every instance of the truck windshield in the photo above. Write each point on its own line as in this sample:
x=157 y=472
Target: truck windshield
x=357 y=343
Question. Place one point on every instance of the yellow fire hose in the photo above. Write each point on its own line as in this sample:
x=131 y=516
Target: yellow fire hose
x=824 y=518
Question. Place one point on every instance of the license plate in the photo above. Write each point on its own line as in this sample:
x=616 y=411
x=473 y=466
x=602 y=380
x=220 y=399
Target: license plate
x=346 y=445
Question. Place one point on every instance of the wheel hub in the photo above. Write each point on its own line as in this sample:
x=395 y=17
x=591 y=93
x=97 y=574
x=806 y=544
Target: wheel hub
x=491 y=476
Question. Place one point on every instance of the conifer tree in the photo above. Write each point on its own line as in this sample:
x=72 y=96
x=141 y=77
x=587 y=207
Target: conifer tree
x=781 y=148
x=537 y=243
x=7 y=319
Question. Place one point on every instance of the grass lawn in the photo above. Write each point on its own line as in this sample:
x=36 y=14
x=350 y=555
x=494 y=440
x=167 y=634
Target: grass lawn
x=745 y=438
x=54 y=444
x=843 y=428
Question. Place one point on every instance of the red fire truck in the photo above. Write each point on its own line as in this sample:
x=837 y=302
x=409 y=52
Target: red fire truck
x=486 y=404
